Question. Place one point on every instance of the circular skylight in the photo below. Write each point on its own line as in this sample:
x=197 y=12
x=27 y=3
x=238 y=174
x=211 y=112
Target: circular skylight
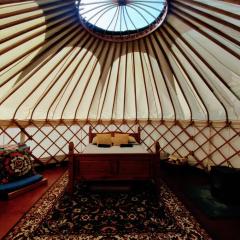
x=118 y=20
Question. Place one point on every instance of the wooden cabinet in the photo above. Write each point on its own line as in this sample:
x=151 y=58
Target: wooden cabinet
x=114 y=167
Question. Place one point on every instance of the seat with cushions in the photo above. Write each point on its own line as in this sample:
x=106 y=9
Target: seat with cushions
x=17 y=174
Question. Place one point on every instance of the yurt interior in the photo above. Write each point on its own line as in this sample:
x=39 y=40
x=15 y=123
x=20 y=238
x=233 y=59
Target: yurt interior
x=120 y=119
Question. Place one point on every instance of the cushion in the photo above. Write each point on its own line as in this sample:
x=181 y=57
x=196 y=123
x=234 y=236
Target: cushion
x=126 y=145
x=120 y=138
x=104 y=145
x=9 y=187
x=15 y=164
x=131 y=139
x=104 y=138
x=3 y=173
x=94 y=141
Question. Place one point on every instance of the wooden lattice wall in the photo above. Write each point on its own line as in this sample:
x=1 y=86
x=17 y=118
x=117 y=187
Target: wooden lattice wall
x=204 y=143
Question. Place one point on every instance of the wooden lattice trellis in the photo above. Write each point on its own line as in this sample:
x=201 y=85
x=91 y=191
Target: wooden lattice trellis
x=203 y=143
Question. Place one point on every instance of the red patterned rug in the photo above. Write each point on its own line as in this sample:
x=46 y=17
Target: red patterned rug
x=87 y=215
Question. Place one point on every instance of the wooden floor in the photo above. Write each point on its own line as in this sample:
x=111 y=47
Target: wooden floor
x=219 y=229
x=12 y=210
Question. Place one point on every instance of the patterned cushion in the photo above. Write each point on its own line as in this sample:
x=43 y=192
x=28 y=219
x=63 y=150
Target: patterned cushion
x=15 y=164
x=3 y=174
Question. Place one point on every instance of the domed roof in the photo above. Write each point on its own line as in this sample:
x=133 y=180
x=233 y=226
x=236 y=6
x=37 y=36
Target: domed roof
x=121 y=20
x=53 y=68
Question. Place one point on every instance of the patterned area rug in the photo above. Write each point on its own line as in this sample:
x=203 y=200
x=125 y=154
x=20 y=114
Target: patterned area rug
x=88 y=215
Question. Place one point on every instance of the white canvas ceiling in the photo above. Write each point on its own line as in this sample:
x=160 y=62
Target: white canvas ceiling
x=52 y=68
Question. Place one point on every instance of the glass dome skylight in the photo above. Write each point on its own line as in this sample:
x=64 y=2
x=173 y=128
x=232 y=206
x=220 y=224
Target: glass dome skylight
x=118 y=20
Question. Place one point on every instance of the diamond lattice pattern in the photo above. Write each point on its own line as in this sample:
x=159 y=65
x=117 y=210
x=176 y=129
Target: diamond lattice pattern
x=203 y=144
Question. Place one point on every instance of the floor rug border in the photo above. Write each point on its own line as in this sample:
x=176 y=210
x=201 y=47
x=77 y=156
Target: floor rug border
x=47 y=200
